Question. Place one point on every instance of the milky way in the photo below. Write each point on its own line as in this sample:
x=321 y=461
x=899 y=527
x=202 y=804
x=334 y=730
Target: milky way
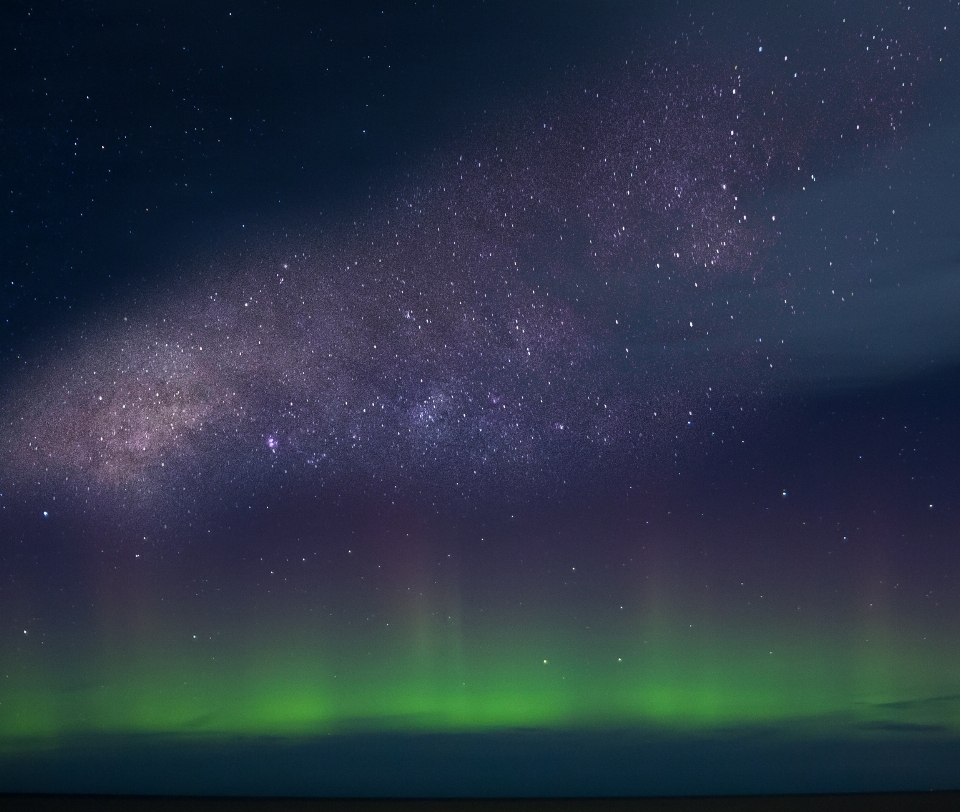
x=566 y=290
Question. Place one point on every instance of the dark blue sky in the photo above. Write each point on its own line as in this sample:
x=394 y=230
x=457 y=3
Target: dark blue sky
x=476 y=340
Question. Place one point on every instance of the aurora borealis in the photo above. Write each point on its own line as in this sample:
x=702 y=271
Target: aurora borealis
x=452 y=378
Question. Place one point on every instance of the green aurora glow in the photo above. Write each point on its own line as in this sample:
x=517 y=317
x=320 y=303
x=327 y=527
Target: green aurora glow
x=488 y=678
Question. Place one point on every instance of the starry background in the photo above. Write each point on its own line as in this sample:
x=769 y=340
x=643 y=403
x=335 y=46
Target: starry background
x=479 y=398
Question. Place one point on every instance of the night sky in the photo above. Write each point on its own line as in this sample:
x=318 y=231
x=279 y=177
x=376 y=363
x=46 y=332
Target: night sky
x=479 y=397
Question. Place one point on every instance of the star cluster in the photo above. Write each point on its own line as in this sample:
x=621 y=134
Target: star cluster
x=559 y=294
